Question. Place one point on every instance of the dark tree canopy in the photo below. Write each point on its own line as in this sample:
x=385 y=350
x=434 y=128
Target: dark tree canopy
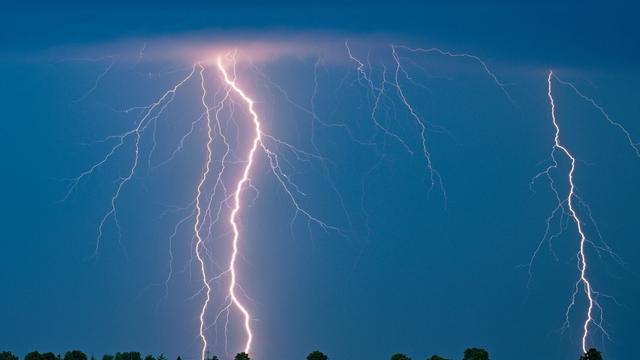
x=436 y=357
x=75 y=355
x=162 y=357
x=149 y=357
x=317 y=355
x=476 y=354
x=131 y=355
x=592 y=354
x=400 y=357
x=242 y=356
x=7 y=355
x=34 y=355
x=107 y=357
x=49 y=356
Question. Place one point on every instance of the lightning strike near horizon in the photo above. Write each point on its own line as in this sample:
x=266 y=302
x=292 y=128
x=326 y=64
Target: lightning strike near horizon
x=567 y=210
x=197 y=224
x=236 y=207
x=570 y=201
x=212 y=192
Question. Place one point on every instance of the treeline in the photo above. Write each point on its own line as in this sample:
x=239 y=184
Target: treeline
x=79 y=355
x=469 y=354
x=474 y=354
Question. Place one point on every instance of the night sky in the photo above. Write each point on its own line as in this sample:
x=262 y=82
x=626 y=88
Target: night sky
x=415 y=270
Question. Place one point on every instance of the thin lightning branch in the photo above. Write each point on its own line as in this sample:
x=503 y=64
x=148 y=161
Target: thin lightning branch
x=219 y=183
x=560 y=208
x=96 y=82
x=433 y=173
x=309 y=111
x=375 y=109
x=171 y=238
x=180 y=146
x=136 y=133
x=378 y=92
x=307 y=157
x=634 y=145
x=475 y=58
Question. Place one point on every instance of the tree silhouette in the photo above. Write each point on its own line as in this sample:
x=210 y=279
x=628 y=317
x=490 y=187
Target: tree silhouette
x=162 y=357
x=317 y=355
x=149 y=357
x=592 y=354
x=7 y=355
x=400 y=357
x=75 y=355
x=49 y=356
x=34 y=355
x=476 y=354
x=131 y=355
x=107 y=357
x=436 y=357
x=242 y=356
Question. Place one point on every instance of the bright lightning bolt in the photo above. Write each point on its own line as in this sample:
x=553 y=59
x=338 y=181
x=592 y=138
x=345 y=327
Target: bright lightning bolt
x=570 y=201
x=239 y=187
x=285 y=181
x=567 y=210
x=197 y=224
x=204 y=213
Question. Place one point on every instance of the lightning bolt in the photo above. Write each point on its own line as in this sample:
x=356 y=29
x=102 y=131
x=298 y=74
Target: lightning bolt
x=566 y=210
x=582 y=257
x=198 y=220
x=572 y=213
x=208 y=204
x=284 y=180
x=237 y=205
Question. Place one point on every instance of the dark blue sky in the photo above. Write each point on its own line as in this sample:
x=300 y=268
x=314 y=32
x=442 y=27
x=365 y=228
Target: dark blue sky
x=412 y=275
